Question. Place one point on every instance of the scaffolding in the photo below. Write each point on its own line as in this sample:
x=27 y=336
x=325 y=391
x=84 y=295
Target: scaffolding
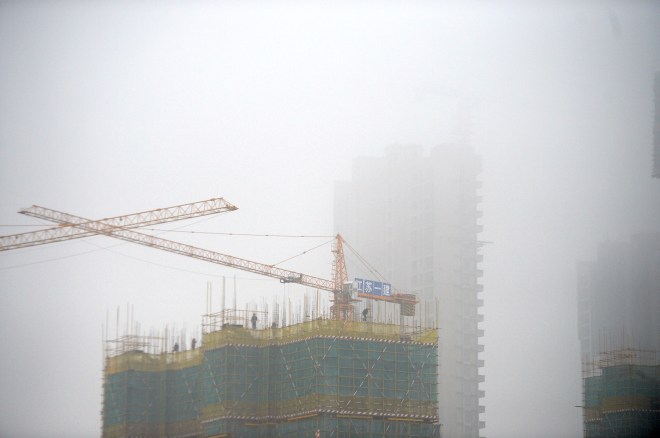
x=320 y=377
x=621 y=394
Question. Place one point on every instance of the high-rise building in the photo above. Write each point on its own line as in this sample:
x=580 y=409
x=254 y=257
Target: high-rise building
x=413 y=214
x=656 y=128
x=619 y=297
x=619 y=332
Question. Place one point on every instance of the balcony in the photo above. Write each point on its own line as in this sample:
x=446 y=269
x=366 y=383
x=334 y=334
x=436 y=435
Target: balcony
x=481 y=378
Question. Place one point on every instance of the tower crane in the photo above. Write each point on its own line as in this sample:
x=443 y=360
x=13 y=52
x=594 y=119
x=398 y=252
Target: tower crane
x=342 y=299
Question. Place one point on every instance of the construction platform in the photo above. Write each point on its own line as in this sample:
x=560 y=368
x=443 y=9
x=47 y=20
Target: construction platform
x=319 y=378
x=621 y=391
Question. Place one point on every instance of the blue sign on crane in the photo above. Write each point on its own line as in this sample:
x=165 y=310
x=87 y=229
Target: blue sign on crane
x=372 y=287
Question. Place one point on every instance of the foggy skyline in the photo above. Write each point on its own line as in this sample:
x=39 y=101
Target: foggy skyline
x=110 y=108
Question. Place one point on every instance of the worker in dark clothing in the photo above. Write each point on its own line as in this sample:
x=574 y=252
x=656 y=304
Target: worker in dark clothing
x=365 y=312
x=176 y=347
x=254 y=320
x=194 y=342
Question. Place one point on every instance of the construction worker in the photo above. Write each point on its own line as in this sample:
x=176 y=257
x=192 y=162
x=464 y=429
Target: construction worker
x=365 y=312
x=194 y=342
x=254 y=320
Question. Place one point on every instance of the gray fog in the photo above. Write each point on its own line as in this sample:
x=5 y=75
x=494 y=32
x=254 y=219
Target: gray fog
x=110 y=108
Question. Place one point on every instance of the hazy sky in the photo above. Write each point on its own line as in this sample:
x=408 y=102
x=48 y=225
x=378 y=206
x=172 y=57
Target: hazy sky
x=110 y=108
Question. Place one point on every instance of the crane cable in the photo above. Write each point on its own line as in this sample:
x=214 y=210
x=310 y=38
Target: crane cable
x=366 y=264
x=236 y=234
x=304 y=252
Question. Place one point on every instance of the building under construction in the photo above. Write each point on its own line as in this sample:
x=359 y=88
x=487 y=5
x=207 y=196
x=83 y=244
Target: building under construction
x=330 y=376
x=621 y=391
x=619 y=332
x=317 y=378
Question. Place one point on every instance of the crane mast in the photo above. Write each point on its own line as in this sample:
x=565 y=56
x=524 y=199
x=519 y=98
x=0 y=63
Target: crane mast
x=342 y=300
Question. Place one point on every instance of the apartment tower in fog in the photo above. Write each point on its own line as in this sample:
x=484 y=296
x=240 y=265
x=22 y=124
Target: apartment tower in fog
x=413 y=214
x=619 y=297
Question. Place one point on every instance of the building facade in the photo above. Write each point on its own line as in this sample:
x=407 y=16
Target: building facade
x=321 y=377
x=413 y=214
x=619 y=297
